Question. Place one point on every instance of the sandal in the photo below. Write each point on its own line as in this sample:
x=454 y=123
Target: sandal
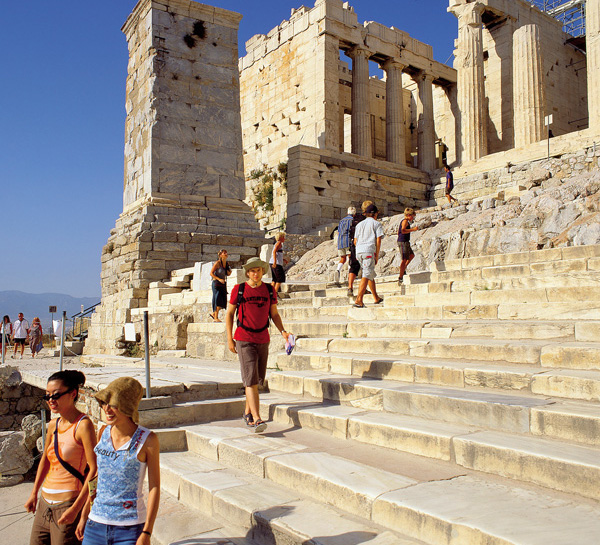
x=249 y=419
x=259 y=426
x=358 y=306
x=379 y=301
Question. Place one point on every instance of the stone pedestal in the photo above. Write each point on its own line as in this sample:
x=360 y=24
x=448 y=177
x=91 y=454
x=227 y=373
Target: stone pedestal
x=361 y=118
x=528 y=86
x=184 y=181
x=468 y=61
x=425 y=126
x=592 y=22
x=394 y=108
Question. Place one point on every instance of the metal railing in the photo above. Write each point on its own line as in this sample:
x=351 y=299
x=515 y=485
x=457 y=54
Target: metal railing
x=81 y=323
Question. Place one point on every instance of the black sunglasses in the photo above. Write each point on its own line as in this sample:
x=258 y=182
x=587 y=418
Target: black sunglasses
x=54 y=397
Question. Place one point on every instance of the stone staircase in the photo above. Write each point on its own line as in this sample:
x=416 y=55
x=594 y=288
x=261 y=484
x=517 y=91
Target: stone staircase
x=464 y=410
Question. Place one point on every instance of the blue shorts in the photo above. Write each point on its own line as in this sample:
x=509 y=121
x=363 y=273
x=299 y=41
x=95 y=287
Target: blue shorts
x=97 y=533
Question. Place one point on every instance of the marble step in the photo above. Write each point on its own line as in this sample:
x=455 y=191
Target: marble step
x=192 y=411
x=522 y=412
x=177 y=524
x=428 y=329
x=277 y=471
x=482 y=349
x=570 y=384
x=265 y=511
x=554 y=464
x=584 y=310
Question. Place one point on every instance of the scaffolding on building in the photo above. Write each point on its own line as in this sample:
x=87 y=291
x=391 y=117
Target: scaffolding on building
x=571 y=13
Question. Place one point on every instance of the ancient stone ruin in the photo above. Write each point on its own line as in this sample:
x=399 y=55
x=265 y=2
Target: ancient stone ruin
x=300 y=121
x=184 y=183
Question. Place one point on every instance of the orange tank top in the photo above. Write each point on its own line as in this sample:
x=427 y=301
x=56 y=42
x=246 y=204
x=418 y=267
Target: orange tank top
x=59 y=480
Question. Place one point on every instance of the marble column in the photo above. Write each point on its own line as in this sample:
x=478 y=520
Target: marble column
x=361 y=118
x=394 y=112
x=425 y=126
x=468 y=62
x=592 y=22
x=528 y=86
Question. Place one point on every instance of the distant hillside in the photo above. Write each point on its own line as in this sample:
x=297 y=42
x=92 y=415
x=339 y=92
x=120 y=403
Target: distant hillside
x=36 y=304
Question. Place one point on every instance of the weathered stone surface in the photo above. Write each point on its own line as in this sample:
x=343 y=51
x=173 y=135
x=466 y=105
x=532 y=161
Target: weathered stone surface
x=32 y=428
x=15 y=458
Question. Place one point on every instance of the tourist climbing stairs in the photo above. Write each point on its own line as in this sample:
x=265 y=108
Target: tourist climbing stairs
x=464 y=409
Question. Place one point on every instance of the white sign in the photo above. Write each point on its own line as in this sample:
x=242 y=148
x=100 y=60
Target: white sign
x=130 y=333
x=548 y=120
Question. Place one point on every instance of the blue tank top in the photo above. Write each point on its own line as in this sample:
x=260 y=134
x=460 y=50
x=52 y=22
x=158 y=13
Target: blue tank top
x=119 y=496
x=403 y=237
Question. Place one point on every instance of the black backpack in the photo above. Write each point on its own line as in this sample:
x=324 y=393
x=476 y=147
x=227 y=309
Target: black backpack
x=240 y=300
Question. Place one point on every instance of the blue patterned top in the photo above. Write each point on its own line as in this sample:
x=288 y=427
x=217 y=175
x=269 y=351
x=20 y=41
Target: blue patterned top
x=119 y=496
x=344 y=232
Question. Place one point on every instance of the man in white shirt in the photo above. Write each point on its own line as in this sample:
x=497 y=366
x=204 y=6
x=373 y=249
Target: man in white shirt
x=20 y=334
x=367 y=240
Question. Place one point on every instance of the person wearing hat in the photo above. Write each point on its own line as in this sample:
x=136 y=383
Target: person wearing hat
x=256 y=305
x=117 y=514
x=367 y=239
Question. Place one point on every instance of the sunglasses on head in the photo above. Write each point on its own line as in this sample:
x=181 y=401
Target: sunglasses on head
x=58 y=395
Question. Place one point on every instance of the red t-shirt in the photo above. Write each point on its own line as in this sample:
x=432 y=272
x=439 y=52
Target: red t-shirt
x=253 y=312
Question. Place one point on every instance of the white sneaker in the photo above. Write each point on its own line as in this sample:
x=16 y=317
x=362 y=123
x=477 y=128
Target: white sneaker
x=21 y=357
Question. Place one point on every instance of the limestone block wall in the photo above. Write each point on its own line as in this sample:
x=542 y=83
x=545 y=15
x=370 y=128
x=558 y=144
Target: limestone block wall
x=295 y=90
x=322 y=184
x=184 y=182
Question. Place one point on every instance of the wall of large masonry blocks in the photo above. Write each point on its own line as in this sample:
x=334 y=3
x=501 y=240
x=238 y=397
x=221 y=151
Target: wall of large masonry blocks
x=322 y=184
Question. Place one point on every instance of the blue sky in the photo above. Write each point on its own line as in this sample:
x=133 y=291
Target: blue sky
x=62 y=118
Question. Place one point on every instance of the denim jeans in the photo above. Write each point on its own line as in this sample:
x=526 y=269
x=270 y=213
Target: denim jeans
x=97 y=533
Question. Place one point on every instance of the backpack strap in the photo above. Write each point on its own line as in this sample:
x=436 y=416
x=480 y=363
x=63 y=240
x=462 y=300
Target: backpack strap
x=66 y=465
x=241 y=300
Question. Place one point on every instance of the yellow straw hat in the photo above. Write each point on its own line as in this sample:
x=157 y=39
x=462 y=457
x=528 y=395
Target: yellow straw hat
x=124 y=393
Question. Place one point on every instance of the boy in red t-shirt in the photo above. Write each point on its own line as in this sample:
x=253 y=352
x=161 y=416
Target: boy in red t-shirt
x=251 y=340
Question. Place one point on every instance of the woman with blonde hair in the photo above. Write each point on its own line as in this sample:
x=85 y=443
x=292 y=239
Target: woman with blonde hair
x=35 y=336
x=126 y=451
x=219 y=273
x=61 y=475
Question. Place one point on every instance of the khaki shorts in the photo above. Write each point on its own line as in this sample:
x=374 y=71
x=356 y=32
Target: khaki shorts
x=253 y=361
x=367 y=264
x=343 y=252
x=46 y=531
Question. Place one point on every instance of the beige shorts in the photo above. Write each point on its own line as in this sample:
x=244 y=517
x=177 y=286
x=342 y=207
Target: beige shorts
x=343 y=252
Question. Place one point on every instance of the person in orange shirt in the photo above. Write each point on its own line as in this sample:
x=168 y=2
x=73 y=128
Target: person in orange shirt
x=63 y=476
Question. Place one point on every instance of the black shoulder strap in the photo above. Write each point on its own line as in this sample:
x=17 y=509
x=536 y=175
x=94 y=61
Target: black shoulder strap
x=66 y=465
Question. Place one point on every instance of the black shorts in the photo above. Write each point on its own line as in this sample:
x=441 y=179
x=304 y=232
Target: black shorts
x=405 y=250
x=353 y=264
x=19 y=341
x=449 y=189
x=278 y=274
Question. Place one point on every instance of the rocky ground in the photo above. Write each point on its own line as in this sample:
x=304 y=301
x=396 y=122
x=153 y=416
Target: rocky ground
x=557 y=212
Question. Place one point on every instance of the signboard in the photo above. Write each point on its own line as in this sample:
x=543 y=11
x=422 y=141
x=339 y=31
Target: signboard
x=548 y=120
x=52 y=310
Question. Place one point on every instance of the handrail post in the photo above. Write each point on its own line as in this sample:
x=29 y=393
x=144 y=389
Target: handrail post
x=147 y=353
x=62 y=340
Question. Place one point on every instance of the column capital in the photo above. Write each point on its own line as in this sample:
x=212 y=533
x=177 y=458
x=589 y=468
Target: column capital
x=393 y=64
x=360 y=51
x=426 y=75
x=468 y=12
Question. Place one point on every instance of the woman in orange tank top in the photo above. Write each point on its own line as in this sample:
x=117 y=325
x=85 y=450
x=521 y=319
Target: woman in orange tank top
x=64 y=493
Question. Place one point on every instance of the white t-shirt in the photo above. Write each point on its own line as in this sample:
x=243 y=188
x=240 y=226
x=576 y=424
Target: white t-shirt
x=366 y=234
x=20 y=328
